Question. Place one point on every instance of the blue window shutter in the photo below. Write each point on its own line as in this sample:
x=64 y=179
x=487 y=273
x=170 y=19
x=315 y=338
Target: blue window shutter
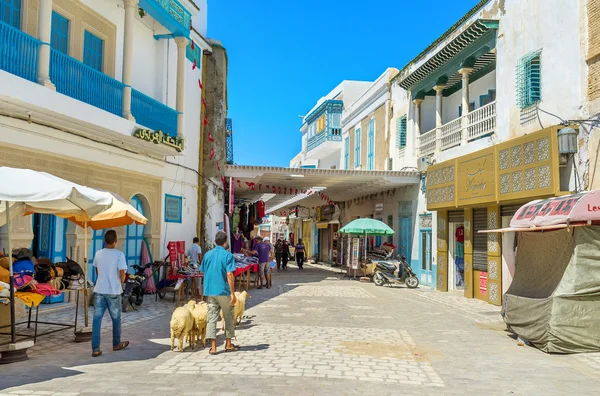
x=93 y=50
x=528 y=79
x=357 y=138
x=59 y=37
x=10 y=12
x=371 y=145
x=346 y=152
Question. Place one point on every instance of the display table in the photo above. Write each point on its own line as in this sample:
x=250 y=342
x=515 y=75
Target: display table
x=194 y=278
x=240 y=272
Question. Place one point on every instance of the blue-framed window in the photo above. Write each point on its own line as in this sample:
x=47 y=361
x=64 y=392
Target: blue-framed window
x=96 y=244
x=134 y=237
x=59 y=37
x=529 y=79
x=173 y=208
x=371 y=145
x=10 y=12
x=357 y=148
x=347 y=152
x=401 y=132
x=93 y=50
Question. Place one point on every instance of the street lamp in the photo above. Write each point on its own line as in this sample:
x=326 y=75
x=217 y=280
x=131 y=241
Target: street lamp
x=567 y=141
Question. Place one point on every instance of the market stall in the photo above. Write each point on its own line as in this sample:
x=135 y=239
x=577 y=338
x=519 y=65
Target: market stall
x=357 y=244
x=554 y=299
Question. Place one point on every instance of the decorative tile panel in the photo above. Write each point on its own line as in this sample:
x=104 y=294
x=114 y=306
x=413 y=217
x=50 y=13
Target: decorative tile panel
x=493 y=296
x=441 y=263
x=517 y=181
x=505 y=183
x=543 y=149
x=529 y=149
x=504 y=161
x=493 y=269
x=544 y=176
x=451 y=193
x=451 y=174
x=425 y=221
x=515 y=156
x=530 y=179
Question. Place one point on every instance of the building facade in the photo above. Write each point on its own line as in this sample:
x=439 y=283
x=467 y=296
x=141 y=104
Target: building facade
x=106 y=94
x=478 y=113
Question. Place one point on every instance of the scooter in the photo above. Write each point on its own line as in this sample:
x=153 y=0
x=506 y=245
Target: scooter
x=135 y=287
x=389 y=274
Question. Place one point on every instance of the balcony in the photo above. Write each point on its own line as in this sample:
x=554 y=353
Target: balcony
x=472 y=126
x=333 y=135
x=19 y=56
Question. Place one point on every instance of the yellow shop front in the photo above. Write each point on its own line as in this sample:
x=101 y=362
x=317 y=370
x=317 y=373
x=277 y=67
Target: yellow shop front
x=480 y=191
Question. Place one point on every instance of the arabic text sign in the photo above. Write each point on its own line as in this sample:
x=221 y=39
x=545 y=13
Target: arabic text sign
x=476 y=178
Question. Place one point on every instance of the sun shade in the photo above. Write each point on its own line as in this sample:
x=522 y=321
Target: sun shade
x=367 y=227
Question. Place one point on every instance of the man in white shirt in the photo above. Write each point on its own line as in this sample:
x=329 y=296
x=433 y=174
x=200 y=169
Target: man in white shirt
x=195 y=253
x=111 y=268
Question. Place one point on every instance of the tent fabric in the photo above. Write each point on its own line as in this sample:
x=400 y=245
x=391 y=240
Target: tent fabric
x=554 y=300
x=367 y=227
x=28 y=191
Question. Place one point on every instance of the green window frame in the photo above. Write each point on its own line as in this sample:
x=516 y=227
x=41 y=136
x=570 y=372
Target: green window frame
x=357 y=148
x=529 y=79
x=401 y=132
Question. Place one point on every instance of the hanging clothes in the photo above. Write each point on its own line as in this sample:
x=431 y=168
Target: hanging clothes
x=237 y=242
x=251 y=215
x=242 y=225
x=260 y=205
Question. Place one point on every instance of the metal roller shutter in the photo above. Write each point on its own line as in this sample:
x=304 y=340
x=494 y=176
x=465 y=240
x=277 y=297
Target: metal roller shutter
x=456 y=216
x=509 y=210
x=479 y=240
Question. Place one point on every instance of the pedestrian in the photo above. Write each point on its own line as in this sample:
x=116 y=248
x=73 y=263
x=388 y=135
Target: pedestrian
x=300 y=253
x=218 y=267
x=278 y=253
x=195 y=253
x=111 y=270
x=263 y=252
x=285 y=254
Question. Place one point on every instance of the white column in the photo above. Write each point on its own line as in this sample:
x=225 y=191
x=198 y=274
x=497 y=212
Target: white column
x=417 y=121
x=44 y=29
x=465 y=71
x=438 y=117
x=179 y=101
x=131 y=7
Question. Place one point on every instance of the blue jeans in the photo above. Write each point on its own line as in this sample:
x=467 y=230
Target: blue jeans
x=102 y=302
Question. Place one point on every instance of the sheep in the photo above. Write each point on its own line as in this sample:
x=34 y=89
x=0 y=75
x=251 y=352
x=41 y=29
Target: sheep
x=181 y=325
x=238 y=310
x=191 y=337
x=200 y=314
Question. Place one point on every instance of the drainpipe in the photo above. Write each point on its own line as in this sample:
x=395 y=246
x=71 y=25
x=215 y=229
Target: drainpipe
x=201 y=152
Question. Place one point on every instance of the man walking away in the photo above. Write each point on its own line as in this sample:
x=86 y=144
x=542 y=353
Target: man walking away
x=285 y=254
x=263 y=251
x=195 y=253
x=218 y=266
x=278 y=253
x=300 y=253
x=111 y=270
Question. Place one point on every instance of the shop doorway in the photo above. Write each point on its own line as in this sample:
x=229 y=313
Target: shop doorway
x=456 y=257
x=405 y=236
x=49 y=237
x=427 y=271
x=134 y=238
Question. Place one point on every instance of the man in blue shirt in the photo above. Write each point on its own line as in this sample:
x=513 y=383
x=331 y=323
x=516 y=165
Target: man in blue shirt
x=218 y=266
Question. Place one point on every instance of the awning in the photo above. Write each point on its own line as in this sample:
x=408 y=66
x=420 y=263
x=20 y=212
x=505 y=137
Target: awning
x=555 y=213
x=285 y=188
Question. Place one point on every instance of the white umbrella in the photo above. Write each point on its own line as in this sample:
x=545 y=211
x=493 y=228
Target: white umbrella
x=25 y=191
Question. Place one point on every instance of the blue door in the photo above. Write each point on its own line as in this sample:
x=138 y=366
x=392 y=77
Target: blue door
x=93 y=50
x=427 y=271
x=405 y=236
x=59 y=37
x=50 y=237
x=96 y=244
x=135 y=237
x=10 y=12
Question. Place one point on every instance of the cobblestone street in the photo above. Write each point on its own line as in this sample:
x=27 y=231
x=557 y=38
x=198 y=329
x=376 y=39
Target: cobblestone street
x=314 y=333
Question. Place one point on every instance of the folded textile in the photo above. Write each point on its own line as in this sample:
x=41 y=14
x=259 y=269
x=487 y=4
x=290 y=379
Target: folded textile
x=4 y=300
x=46 y=289
x=30 y=299
x=150 y=286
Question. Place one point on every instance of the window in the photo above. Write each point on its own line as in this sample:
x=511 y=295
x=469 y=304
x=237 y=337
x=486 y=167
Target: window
x=529 y=83
x=321 y=124
x=471 y=108
x=336 y=120
x=401 y=132
x=93 y=49
x=390 y=223
x=371 y=145
x=173 y=208
x=347 y=152
x=390 y=164
x=357 y=148
x=59 y=35
x=10 y=12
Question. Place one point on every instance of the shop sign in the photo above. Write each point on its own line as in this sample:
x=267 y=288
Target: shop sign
x=355 y=252
x=379 y=207
x=318 y=213
x=476 y=178
x=158 y=137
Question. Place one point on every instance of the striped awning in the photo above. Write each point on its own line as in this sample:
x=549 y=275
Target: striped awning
x=448 y=52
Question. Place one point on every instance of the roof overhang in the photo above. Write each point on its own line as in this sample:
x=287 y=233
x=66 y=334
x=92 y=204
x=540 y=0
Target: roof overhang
x=466 y=44
x=291 y=186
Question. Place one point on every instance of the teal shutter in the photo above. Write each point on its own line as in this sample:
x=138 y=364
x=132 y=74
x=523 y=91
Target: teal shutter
x=371 y=146
x=346 y=152
x=10 y=12
x=357 y=148
x=59 y=37
x=93 y=50
x=529 y=79
x=401 y=132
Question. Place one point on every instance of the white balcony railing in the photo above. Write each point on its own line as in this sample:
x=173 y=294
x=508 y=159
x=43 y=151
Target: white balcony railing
x=460 y=131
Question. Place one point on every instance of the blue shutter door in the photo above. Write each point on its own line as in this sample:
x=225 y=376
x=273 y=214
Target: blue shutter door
x=10 y=12
x=59 y=38
x=346 y=152
x=93 y=49
x=135 y=236
x=59 y=253
x=371 y=146
x=97 y=244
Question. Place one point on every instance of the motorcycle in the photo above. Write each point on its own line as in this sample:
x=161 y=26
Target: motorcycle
x=389 y=273
x=135 y=287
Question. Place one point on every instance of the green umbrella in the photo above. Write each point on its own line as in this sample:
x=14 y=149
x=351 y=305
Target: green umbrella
x=367 y=227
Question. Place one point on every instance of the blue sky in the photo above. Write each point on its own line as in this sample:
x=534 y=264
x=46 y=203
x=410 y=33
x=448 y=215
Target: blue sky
x=285 y=55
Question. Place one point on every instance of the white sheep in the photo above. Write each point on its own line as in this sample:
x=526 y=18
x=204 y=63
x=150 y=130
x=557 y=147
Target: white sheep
x=238 y=310
x=181 y=325
x=200 y=315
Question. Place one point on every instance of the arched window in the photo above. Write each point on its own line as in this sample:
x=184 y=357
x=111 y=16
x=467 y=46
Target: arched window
x=135 y=237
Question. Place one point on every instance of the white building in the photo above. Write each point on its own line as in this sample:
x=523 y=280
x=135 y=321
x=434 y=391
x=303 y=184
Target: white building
x=322 y=127
x=106 y=94
x=482 y=104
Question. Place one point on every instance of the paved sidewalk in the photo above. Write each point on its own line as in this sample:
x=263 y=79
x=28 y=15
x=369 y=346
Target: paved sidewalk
x=315 y=333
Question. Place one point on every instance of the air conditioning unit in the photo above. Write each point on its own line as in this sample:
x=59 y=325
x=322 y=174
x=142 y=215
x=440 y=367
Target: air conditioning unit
x=423 y=164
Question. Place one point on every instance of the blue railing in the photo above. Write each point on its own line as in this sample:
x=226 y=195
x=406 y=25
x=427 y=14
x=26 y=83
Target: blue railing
x=18 y=52
x=153 y=114
x=334 y=135
x=84 y=83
